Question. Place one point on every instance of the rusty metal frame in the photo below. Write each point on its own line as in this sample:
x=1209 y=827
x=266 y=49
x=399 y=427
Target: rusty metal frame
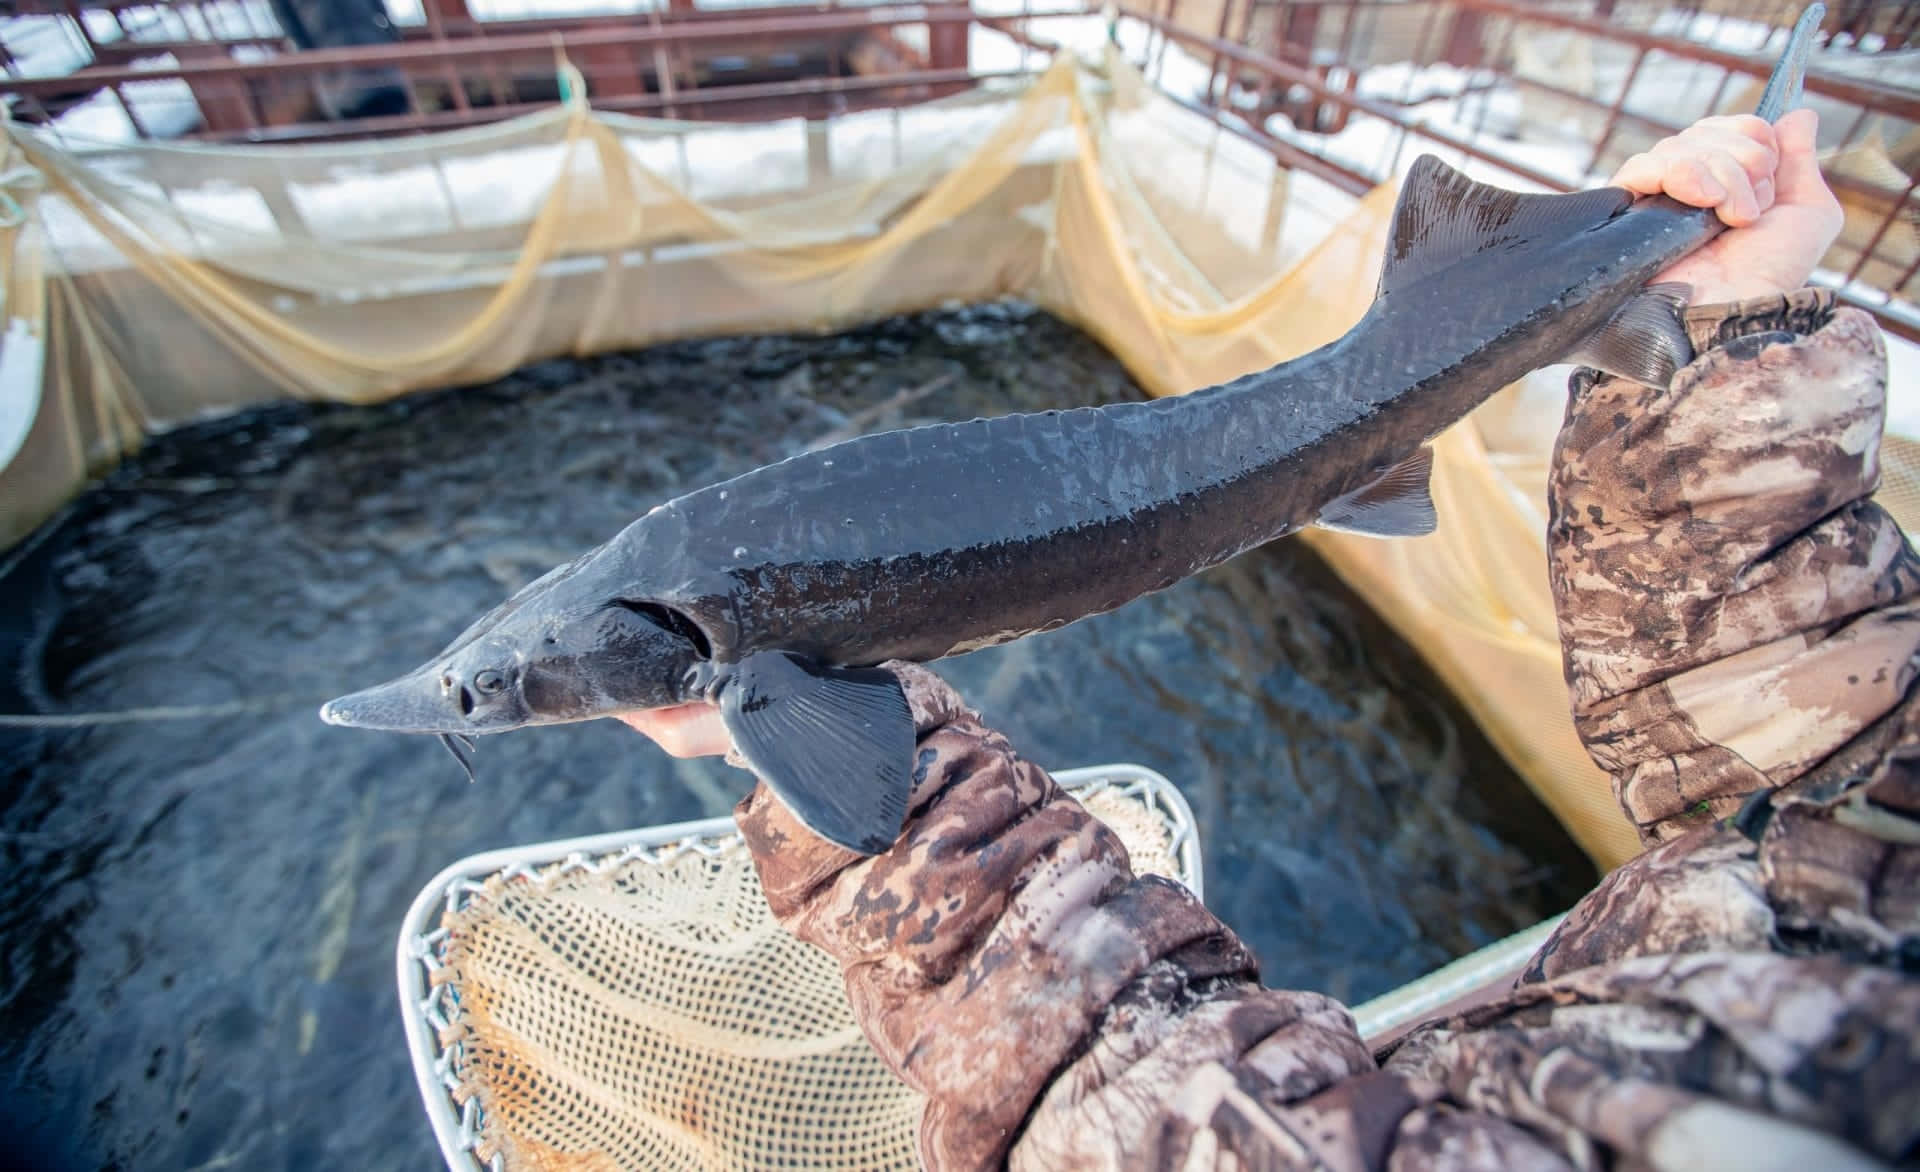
x=527 y=46
x=451 y=48
x=803 y=97
x=1295 y=75
x=1900 y=103
x=1617 y=113
x=1869 y=96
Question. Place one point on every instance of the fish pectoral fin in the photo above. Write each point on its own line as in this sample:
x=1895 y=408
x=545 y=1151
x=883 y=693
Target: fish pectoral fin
x=1645 y=340
x=1397 y=504
x=835 y=745
x=1442 y=217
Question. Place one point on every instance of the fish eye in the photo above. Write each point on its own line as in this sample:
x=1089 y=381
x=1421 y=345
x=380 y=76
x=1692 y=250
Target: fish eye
x=489 y=682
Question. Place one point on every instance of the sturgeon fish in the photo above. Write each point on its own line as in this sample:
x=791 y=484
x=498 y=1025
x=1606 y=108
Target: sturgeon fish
x=775 y=593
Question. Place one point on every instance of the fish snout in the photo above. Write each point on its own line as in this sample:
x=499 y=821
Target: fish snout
x=441 y=699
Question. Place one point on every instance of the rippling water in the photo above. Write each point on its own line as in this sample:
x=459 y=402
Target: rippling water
x=196 y=944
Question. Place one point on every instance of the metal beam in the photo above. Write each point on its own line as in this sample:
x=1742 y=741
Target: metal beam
x=1886 y=99
x=1293 y=74
x=430 y=53
x=865 y=91
x=1346 y=179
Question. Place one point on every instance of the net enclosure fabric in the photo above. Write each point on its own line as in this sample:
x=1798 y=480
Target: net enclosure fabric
x=644 y=1010
x=155 y=283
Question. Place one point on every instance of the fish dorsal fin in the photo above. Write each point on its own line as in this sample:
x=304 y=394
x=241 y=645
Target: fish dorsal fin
x=1397 y=504
x=1646 y=338
x=1444 y=217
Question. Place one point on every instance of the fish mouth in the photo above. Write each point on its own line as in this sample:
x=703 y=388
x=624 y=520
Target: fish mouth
x=415 y=703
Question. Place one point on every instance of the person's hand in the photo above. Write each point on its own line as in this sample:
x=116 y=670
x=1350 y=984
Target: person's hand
x=1764 y=182
x=685 y=730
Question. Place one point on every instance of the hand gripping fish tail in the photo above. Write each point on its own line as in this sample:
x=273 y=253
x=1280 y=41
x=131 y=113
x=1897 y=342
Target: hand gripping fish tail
x=776 y=594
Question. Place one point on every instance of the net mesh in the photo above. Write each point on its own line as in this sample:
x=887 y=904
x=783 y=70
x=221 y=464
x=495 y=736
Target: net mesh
x=651 y=1014
x=160 y=282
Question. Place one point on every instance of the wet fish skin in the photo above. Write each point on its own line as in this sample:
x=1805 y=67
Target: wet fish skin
x=921 y=543
x=773 y=593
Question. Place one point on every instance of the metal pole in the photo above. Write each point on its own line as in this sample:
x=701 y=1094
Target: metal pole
x=1613 y=116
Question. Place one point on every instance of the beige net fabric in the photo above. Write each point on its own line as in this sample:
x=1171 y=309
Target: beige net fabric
x=167 y=281
x=652 y=1014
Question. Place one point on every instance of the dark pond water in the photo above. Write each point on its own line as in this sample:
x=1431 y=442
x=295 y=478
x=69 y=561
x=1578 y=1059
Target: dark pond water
x=196 y=942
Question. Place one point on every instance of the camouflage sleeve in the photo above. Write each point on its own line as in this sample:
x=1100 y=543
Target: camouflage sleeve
x=1735 y=610
x=1059 y=1011
x=1733 y=606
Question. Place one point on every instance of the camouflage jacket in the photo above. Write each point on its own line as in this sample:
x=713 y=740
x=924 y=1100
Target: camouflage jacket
x=1739 y=627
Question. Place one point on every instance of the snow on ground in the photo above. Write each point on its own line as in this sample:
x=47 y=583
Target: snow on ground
x=43 y=45
x=165 y=107
x=1183 y=75
x=1405 y=83
x=51 y=46
x=1732 y=34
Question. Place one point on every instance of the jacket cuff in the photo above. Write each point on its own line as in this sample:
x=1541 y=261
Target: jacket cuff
x=1797 y=314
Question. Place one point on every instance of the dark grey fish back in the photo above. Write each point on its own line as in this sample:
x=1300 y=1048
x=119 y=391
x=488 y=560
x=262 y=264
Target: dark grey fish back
x=911 y=544
x=927 y=490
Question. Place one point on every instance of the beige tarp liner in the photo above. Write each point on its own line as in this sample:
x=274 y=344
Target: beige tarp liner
x=170 y=281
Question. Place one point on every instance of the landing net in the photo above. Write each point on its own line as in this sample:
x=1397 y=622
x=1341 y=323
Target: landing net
x=630 y=1002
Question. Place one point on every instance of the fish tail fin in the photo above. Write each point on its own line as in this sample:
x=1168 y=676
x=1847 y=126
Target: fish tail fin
x=1787 y=83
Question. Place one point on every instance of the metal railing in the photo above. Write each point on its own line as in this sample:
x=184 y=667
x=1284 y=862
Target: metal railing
x=1283 y=75
x=1300 y=62
x=453 y=70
